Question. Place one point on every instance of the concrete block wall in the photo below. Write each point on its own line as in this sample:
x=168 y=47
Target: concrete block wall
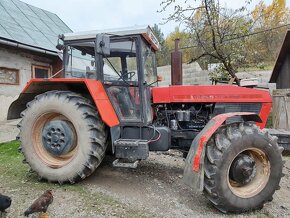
x=165 y=73
x=192 y=75
x=13 y=58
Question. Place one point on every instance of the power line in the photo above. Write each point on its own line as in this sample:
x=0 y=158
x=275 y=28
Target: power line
x=243 y=36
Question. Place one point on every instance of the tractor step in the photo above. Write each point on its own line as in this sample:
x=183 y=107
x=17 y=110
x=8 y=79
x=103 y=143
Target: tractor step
x=130 y=142
x=131 y=149
x=123 y=164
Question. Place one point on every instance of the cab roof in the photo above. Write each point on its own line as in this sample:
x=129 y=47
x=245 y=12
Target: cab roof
x=144 y=31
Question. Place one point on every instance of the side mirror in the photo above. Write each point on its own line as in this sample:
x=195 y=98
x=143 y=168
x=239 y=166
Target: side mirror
x=159 y=78
x=103 y=44
x=60 y=46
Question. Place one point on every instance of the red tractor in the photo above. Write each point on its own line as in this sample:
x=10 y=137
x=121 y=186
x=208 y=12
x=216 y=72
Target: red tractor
x=107 y=100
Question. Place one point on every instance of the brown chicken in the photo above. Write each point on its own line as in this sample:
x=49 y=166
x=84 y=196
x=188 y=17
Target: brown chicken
x=41 y=204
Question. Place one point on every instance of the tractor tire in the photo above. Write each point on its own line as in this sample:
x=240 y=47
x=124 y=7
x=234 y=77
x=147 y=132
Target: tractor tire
x=62 y=136
x=242 y=169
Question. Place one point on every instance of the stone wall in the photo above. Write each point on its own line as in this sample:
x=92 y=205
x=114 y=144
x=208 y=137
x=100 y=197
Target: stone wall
x=23 y=61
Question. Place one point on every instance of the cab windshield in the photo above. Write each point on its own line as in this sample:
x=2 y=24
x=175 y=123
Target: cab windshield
x=121 y=64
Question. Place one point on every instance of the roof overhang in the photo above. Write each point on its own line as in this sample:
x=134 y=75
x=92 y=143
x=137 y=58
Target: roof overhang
x=145 y=31
x=23 y=46
x=285 y=49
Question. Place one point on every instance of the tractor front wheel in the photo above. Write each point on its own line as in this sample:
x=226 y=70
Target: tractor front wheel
x=243 y=168
x=62 y=136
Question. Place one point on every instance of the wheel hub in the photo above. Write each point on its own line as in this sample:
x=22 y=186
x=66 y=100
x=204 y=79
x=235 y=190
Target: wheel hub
x=58 y=137
x=243 y=169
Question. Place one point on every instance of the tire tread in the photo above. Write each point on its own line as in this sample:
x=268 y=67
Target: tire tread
x=214 y=156
x=96 y=127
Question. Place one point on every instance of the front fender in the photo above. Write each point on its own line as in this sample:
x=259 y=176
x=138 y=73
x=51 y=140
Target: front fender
x=92 y=89
x=193 y=175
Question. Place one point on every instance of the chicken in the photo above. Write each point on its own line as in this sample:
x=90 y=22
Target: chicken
x=41 y=204
x=5 y=202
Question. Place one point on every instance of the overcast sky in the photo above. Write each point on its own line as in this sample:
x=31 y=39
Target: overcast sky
x=82 y=15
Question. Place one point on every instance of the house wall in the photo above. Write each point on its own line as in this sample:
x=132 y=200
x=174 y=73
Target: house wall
x=23 y=61
x=283 y=80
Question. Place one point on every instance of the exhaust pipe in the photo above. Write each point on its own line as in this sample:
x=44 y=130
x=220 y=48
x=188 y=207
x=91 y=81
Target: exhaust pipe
x=176 y=65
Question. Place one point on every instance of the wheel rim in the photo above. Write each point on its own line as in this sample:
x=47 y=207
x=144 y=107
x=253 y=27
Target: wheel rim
x=255 y=178
x=43 y=132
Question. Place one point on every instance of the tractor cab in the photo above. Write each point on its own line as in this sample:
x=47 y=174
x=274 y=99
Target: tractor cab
x=123 y=60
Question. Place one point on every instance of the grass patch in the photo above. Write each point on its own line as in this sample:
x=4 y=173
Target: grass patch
x=11 y=167
x=13 y=172
x=14 y=175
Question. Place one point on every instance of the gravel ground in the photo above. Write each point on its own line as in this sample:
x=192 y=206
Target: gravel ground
x=156 y=186
x=154 y=189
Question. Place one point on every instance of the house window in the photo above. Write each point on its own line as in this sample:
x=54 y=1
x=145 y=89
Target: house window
x=41 y=72
x=9 y=76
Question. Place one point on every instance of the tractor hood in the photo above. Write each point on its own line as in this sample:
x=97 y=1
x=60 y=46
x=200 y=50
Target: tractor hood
x=210 y=94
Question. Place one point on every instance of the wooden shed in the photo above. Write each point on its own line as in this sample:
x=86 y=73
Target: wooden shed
x=281 y=96
x=281 y=71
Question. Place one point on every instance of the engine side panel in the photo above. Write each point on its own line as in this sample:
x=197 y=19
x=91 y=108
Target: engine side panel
x=89 y=88
x=262 y=109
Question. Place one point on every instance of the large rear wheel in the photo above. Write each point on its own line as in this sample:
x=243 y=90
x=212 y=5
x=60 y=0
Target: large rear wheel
x=62 y=136
x=243 y=168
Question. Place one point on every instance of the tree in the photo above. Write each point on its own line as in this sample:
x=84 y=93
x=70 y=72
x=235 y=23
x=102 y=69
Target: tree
x=163 y=56
x=158 y=33
x=218 y=32
x=269 y=17
x=185 y=39
x=168 y=44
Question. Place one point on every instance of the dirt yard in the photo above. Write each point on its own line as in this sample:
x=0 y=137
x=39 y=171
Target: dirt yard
x=157 y=187
x=154 y=189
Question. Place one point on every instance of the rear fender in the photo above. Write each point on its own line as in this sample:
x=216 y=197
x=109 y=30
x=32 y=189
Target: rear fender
x=194 y=164
x=92 y=89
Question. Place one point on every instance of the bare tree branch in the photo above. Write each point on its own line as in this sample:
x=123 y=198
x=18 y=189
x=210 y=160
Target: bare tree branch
x=211 y=25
